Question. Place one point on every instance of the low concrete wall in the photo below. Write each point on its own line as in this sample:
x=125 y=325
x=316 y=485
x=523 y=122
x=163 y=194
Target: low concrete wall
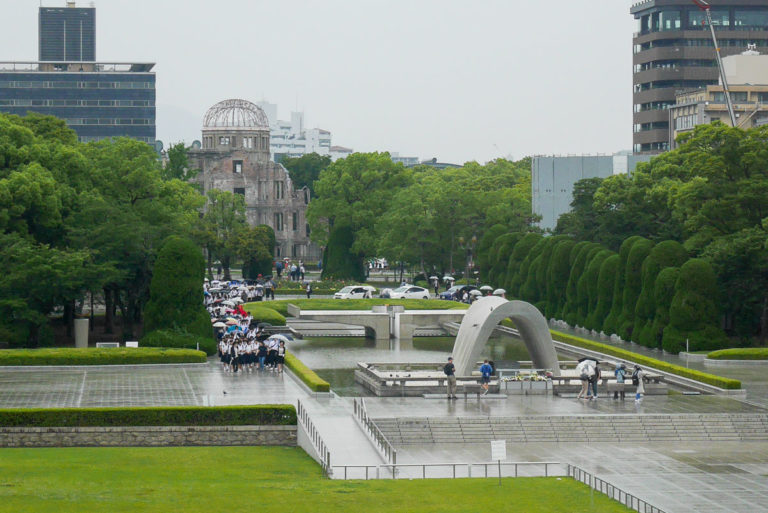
x=149 y=436
x=732 y=363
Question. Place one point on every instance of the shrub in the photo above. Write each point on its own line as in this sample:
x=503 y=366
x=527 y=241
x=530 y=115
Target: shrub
x=281 y=305
x=633 y=282
x=179 y=339
x=99 y=356
x=519 y=254
x=176 y=300
x=263 y=313
x=338 y=260
x=484 y=247
x=558 y=271
x=703 y=377
x=586 y=291
x=579 y=255
x=503 y=245
x=693 y=314
x=306 y=375
x=663 y=292
x=611 y=321
x=605 y=280
x=665 y=254
x=258 y=415
x=519 y=284
x=740 y=353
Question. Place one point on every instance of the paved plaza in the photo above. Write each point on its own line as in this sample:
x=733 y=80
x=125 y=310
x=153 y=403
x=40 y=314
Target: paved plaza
x=677 y=477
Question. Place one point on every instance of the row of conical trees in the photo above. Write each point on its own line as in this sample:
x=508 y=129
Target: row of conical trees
x=652 y=294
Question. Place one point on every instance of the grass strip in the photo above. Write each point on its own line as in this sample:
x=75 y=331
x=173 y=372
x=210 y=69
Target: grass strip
x=258 y=415
x=703 y=377
x=306 y=375
x=99 y=356
x=281 y=305
x=263 y=479
x=740 y=353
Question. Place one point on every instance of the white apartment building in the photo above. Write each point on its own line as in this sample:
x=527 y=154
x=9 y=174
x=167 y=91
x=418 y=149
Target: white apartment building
x=290 y=138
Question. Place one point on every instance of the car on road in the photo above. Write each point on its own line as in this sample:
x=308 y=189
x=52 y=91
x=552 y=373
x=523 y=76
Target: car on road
x=407 y=292
x=355 y=292
x=456 y=292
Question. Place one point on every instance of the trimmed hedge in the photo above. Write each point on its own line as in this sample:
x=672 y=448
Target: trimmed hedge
x=710 y=379
x=740 y=353
x=264 y=313
x=281 y=305
x=99 y=356
x=306 y=375
x=258 y=415
x=179 y=340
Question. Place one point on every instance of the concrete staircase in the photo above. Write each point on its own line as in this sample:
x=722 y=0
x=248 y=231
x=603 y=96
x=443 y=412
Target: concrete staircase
x=585 y=428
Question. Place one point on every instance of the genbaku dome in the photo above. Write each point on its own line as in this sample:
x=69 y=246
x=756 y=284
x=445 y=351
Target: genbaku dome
x=235 y=157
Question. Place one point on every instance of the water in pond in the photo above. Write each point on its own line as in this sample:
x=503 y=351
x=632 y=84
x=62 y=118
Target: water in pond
x=335 y=358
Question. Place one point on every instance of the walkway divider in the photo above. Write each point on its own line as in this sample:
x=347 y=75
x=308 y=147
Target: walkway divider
x=452 y=470
x=612 y=491
x=314 y=435
x=373 y=432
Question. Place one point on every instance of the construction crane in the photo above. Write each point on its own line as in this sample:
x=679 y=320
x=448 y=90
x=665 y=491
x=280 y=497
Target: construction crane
x=704 y=6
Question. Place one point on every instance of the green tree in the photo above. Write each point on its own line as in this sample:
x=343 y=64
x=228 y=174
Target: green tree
x=579 y=255
x=339 y=261
x=632 y=286
x=664 y=291
x=255 y=246
x=515 y=273
x=222 y=224
x=558 y=272
x=175 y=301
x=306 y=169
x=177 y=166
x=605 y=293
x=611 y=322
x=587 y=290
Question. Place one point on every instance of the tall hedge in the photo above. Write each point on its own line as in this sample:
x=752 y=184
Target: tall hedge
x=633 y=283
x=484 y=247
x=578 y=264
x=586 y=291
x=605 y=280
x=693 y=314
x=558 y=271
x=665 y=254
x=526 y=277
x=540 y=276
x=663 y=292
x=339 y=263
x=175 y=293
x=519 y=254
x=504 y=244
x=611 y=321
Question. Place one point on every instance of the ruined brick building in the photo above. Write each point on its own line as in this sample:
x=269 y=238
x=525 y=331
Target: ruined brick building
x=235 y=157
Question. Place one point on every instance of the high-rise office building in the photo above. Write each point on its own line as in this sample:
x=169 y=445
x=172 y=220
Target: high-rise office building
x=67 y=33
x=673 y=51
x=97 y=100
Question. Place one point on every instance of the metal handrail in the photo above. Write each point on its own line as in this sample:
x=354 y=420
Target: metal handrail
x=457 y=470
x=317 y=441
x=374 y=433
x=614 y=492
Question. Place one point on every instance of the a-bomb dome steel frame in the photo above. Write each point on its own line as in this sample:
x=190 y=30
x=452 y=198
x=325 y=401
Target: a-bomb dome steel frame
x=235 y=114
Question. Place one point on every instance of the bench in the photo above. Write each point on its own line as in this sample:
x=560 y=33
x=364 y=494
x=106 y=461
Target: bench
x=470 y=388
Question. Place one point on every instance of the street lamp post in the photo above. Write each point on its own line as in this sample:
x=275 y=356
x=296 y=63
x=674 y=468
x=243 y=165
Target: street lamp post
x=469 y=246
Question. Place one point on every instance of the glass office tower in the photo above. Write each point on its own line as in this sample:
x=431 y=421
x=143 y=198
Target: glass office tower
x=673 y=52
x=67 y=33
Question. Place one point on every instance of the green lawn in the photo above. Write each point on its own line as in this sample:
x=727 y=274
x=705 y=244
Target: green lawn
x=235 y=479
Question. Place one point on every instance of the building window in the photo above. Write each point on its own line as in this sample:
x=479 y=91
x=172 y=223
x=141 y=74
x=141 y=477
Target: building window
x=224 y=140
x=307 y=229
x=279 y=192
x=278 y=222
x=237 y=166
x=234 y=141
x=247 y=142
x=295 y=221
x=240 y=191
x=295 y=250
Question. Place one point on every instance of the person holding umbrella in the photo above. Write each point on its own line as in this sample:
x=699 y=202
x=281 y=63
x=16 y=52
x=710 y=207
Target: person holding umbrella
x=586 y=370
x=435 y=284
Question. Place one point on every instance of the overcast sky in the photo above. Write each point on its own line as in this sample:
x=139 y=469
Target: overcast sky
x=456 y=80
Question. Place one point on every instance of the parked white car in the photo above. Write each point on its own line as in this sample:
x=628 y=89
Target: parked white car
x=409 y=292
x=355 y=292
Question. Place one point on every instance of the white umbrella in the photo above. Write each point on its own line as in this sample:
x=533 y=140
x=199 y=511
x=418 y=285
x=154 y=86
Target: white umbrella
x=448 y=277
x=219 y=325
x=486 y=287
x=499 y=292
x=236 y=300
x=282 y=336
x=475 y=293
x=586 y=367
x=228 y=302
x=434 y=278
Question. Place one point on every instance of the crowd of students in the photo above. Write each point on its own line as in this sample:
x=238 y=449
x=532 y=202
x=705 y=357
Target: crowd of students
x=241 y=353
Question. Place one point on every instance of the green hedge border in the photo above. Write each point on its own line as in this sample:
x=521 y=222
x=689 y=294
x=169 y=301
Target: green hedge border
x=99 y=356
x=306 y=375
x=258 y=415
x=263 y=313
x=740 y=353
x=710 y=379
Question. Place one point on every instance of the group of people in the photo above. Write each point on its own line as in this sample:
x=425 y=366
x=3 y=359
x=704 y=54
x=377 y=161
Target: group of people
x=243 y=353
x=295 y=272
x=486 y=371
x=590 y=377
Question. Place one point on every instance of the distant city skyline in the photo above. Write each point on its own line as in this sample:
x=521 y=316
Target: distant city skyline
x=444 y=79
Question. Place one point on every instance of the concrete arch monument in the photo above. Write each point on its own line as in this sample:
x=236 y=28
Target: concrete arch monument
x=481 y=319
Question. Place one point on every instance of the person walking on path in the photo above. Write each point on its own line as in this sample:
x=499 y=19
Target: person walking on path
x=486 y=370
x=620 y=372
x=594 y=380
x=309 y=291
x=450 y=371
x=637 y=380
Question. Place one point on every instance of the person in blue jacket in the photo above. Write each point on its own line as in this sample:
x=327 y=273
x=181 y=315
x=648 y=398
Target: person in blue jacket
x=486 y=370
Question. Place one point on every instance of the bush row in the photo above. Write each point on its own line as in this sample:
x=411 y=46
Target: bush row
x=179 y=339
x=710 y=379
x=281 y=305
x=650 y=293
x=99 y=356
x=259 y=415
x=740 y=353
x=262 y=312
x=307 y=375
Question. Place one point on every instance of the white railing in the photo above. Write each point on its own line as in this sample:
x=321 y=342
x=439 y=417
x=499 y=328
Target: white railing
x=631 y=501
x=314 y=435
x=374 y=433
x=451 y=470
